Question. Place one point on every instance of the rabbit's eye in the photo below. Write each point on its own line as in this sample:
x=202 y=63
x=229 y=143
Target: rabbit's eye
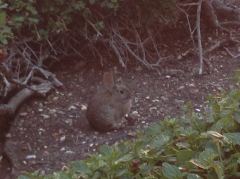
x=121 y=91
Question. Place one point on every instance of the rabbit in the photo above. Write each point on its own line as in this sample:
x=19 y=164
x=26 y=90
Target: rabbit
x=109 y=105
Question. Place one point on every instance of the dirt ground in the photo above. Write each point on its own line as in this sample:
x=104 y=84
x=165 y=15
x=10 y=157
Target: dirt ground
x=49 y=133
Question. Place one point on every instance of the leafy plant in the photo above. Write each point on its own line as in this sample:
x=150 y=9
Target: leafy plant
x=192 y=147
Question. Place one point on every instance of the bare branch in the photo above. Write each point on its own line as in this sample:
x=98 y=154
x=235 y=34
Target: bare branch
x=231 y=54
x=200 y=49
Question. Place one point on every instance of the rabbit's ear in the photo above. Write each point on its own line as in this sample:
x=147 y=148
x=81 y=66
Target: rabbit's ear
x=108 y=80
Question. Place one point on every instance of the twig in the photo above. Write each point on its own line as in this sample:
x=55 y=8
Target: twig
x=191 y=31
x=112 y=44
x=200 y=49
x=231 y=54
x=188 y=4
x=215 y=46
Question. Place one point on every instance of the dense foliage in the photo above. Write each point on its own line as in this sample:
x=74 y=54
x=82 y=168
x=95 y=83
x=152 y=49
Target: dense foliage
x=198 y=145
x=42 y=19
x=86 y=29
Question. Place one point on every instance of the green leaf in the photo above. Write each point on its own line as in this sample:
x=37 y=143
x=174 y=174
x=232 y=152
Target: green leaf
x=171 y=171
x=3 y=5
x=33 y=20
x=80 y=167
x=18 y=18
x=125 y=158
x=122 y=172
x=218 y=168
x=184 y=155
x=146 y=168
x=23 y=177
x=205 y=159
x=193 y=176
x=61 y=175
x=160 y=141
x=236 y=116
x=226 y=123
x=105 y=150
x=2 y=18
x=233 y=137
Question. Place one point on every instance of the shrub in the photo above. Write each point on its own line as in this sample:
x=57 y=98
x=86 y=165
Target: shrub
x=195 y=146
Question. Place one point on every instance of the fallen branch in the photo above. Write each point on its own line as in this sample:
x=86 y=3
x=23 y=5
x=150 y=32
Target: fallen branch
x=7 y=114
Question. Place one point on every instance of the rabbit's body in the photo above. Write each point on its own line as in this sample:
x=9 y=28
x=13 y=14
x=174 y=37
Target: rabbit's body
x=109 y=105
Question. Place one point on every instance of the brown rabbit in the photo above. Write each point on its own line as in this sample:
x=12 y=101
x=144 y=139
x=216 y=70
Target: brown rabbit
x=109 y=105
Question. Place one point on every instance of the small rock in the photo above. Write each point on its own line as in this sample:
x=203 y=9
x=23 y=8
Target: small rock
x=52 y=111
x=179 y=57
x=23 y=114
x=55 y=98
x=147 y=97
x=151 y=109
x=72 y=107
x=155 y=100
x=69 y=121
x=136 y=100
x=198 y=110
x=191 y=84
x=45 y=116
x=194 y=91
x=41 y=129
x=28 y=157
x=180 y=87
x=60 y=112
x=69 y=152
x=63 y=138
x=210 y=38
x=179 y=101
x=8 y=135
x=144 y=83
x=83 y=107
x=132 y=133
x=164 y=98
x=139 y=68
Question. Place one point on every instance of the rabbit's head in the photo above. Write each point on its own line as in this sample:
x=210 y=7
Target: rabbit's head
x=118 y=90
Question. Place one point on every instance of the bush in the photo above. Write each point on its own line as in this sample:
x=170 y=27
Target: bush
x=42 y=19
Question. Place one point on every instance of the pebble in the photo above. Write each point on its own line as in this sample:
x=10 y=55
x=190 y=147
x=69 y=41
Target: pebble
x=83 y=107
x=62 y=139
x=23 y=114
x=72 y=107
x=69 y=152
x=28 y=157
x=45 y=116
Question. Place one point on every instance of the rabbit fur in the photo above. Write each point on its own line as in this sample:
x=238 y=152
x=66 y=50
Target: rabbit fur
x=109 y=105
